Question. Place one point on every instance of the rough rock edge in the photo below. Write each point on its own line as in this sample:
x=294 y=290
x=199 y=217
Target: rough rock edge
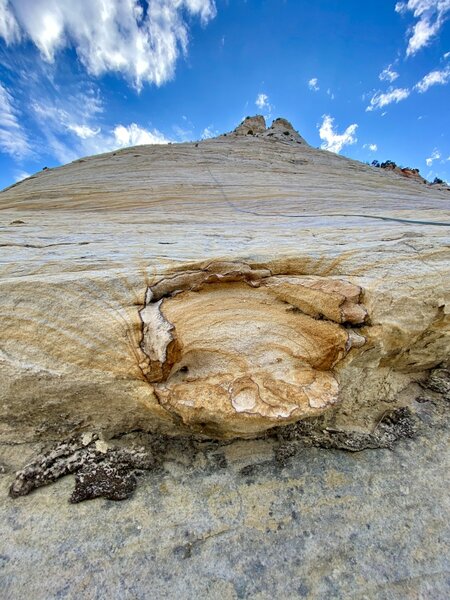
x=110 y=471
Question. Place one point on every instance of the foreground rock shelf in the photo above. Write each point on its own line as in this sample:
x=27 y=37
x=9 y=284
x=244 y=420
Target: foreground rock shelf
x=219 y=288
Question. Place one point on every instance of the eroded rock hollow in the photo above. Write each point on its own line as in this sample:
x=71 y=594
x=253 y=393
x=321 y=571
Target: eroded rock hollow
x=222 y=288
x=234 y=350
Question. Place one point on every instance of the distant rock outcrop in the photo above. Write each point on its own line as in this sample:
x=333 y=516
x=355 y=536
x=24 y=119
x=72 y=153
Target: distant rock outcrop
x=281 y=129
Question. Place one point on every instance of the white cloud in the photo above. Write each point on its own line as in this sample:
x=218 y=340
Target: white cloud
x=371 y=147
x=433 y=78
x=435 y=155
x=133 y=135
x=262 y=101
x=21 y=175
x=9 y=29
x=13 y=139
x=183 y=134
x=83 y=131
x=446 y=55
x=334 y=141
x=209 y=133
x=379 y=99
x=388 y=74
x=330 y=93
x=431 y=15
x=115 y=36
x=71 y=131
x=313 y=84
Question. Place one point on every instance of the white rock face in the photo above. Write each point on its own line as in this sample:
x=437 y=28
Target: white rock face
x=221 y=287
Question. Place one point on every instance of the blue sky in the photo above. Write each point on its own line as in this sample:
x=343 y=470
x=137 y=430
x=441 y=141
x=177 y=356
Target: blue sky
x=369 y=79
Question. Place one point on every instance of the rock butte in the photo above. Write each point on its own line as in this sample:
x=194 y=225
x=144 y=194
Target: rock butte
x=221 y=287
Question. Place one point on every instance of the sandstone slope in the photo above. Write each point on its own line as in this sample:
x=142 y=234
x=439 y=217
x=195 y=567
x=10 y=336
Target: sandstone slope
x=221 y=287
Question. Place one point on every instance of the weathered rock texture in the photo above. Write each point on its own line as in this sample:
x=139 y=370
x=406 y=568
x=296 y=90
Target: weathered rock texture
x=237 y=521
x=222 y=288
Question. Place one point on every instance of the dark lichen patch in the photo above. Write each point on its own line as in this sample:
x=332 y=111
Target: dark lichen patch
x=104 y=480
x=392 y=426
x=113 y=475
x=64 y=458
x=110 y=470
x=99 y=473
x=439 y=381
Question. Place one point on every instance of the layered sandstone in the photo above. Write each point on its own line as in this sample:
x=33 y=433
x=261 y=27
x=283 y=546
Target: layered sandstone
x=220 y=287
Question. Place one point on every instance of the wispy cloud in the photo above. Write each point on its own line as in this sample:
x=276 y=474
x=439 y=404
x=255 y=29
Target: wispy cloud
x=13 y=139
x=140 y=41
x=209 y=132
x=435 y=155
x=388 y=74
x=262 y=101
x=83 y=131
x=19 y=176
x=379 y=100
x=433 y=78
x=183 y=133
x=72 y=127
x=431 y=15
x=371 y=147
x=334 y=141
x=9 y=29
x=313 y=84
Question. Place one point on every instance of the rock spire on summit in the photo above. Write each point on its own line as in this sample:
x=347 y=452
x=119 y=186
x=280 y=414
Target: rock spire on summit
x=280 y=129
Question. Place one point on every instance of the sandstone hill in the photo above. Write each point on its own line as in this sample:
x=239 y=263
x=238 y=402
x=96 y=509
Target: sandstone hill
x=222 y=287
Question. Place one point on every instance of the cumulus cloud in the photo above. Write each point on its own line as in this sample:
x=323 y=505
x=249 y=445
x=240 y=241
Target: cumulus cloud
x=66 y=149
x=313 y=84
x=435 y=155
x=371 y=147
x=133 y=135
x=379 y=100
x=334 y=141
x=139 y=39
x=73 y=127
x=433 y=78
x=262 y=101
x=388 y=74
x=431 y=15
x=13 y=139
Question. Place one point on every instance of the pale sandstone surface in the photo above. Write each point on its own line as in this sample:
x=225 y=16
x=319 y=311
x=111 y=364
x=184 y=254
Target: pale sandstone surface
x=233 y=524
x=221 y=287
